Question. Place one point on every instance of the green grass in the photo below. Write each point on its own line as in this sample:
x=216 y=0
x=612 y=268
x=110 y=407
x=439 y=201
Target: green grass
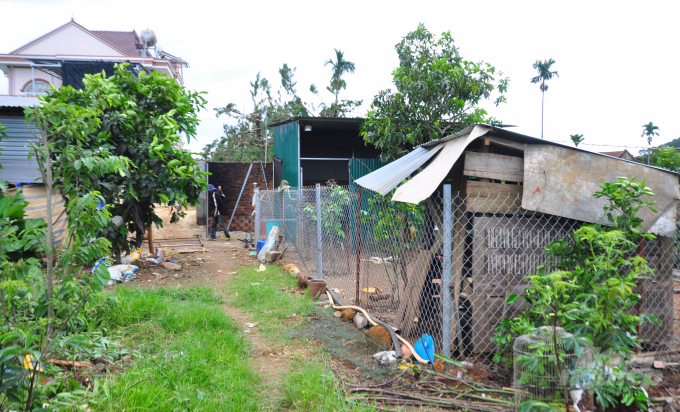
x=310 y=387
x=193 y=357
x=261 y=294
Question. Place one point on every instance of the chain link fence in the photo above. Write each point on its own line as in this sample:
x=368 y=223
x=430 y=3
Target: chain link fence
x=444 y=267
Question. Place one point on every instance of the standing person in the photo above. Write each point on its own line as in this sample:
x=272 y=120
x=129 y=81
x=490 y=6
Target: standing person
x=218 y=212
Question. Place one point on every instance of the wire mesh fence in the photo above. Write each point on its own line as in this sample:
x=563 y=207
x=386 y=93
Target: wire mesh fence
x=444 y=267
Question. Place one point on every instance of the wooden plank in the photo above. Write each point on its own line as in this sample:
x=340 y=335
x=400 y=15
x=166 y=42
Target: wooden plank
x=487 y=197
x=494 y=166
x=493 y=205
x=507 y=143
x=458 y=260
x=483 y=189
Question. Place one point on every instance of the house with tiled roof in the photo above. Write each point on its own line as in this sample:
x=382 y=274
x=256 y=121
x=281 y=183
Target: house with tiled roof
x=622 y=154
x=62 y=57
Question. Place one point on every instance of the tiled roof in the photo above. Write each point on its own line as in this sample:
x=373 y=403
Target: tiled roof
x=128 y=41
x=613 y=154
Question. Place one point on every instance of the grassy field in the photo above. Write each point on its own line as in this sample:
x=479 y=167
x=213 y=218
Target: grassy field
x=192 y=356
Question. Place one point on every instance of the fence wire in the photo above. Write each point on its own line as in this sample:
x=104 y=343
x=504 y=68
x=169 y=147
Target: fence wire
x=399 y=262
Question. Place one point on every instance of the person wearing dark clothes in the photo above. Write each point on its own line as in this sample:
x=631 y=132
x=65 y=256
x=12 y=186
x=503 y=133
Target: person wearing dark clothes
x=218 y=212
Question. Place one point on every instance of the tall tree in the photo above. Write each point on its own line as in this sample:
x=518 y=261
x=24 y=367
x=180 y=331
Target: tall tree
x=339 y=67
x=437 y=93
x=544 y=74
x=649 y=131
x=576 y=138
x=142 y=120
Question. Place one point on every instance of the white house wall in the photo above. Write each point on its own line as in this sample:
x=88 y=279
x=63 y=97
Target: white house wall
x=69 y=40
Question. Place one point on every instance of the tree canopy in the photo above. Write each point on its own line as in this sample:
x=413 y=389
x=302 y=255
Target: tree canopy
x=437 y=93
x=141 y=120
x=249 y=138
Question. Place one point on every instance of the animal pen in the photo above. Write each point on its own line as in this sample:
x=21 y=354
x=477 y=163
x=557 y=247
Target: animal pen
x=442 y=254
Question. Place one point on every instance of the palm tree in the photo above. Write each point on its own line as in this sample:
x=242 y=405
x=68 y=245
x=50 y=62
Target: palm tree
x=649 y=131
x=544 y=74
x=576 y=138
x=339 y=67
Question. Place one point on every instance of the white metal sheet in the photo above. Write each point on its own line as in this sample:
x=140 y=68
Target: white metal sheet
x=426 y=182
x=389 y=176
x=560 y=181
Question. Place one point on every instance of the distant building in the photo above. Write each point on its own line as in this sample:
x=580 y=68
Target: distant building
x=310 y=150
x=63 y=57
x=623 y=154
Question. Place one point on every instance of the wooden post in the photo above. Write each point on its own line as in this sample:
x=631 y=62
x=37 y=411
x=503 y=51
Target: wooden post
x=358 y=244
x=446 y=274
x=640 y=288
x=152 y=250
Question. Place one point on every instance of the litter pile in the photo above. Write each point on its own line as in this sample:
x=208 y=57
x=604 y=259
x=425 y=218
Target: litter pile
x=125 y=272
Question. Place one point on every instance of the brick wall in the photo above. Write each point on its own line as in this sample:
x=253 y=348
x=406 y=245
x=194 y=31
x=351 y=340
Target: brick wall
x=230 y=176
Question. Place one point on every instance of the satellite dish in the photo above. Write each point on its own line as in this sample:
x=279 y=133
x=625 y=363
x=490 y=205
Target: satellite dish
x=148 y=37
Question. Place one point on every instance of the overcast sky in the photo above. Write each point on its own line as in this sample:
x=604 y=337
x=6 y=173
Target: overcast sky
x=617 y=61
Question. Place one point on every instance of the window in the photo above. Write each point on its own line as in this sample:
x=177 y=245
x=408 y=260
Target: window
x=37 y=87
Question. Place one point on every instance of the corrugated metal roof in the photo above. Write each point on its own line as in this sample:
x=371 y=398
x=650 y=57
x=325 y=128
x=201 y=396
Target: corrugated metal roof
x=388 y=177
x=18 y=101
x=357 y=120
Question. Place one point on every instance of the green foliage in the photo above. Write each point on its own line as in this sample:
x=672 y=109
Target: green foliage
x=135 y=127
x=437 y=93
x=249 y=139
x=588 y=287
x=649 y=131
x=333 y=212
x=393 y=220
x=577 y=138
x=667 y=157
x=544 y=73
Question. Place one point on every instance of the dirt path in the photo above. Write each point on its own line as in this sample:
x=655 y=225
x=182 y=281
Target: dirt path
x=215 y=266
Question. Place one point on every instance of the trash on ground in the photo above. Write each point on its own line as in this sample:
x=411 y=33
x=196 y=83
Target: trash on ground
x=269 y=244
x=424 y=347
x=119 y=272
x=385 y=357
x=152 y=260
x=251 y=325
x=262 y=268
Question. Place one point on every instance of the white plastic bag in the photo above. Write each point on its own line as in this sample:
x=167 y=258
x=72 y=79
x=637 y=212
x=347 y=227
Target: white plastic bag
x=119 y=272
x=269 y=245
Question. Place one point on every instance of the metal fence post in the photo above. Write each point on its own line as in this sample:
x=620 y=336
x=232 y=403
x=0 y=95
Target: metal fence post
x=319 y=257
x=446 y=274
x=356 y=300
x=256 y=233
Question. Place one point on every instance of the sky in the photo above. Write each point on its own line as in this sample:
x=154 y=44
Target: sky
x=617 y=61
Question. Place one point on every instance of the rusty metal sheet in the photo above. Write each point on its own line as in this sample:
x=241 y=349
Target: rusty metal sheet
x=561 y=182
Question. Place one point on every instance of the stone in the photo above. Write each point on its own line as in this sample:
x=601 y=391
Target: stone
x=323 y=296
x=320 y=303
x=171 y=266
x=337 y=314
x=348 y=314
x=327 y=307
x=360 y=321
x=272 y=256
x=381 y=333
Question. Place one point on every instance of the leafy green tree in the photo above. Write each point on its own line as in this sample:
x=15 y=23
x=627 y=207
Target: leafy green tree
x=436 y=93
x=588 y=287
x=140 y=120
x=339 y=67
x=544 y=74
x=667 y=157
x=649 y=131
x=576 y=138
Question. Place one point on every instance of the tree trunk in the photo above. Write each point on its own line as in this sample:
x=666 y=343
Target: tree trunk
x=542 y=110
x=49 y=241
